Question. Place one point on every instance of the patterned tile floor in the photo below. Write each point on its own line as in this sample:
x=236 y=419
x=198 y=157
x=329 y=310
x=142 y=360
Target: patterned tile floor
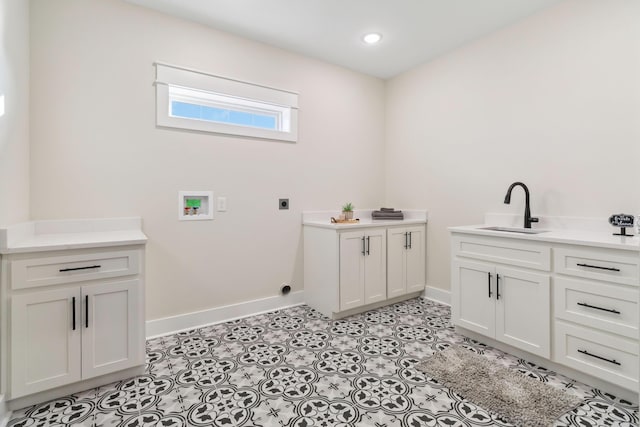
x=294 y=367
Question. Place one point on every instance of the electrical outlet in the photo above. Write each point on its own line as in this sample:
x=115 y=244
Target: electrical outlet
x=283 y=204
x=221 y=204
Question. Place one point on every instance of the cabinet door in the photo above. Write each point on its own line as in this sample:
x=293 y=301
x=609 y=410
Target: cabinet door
x=352 y=249
x=45 y=347
x=473 y=296
x=523 y=310
x=112 y=335
x=415 y=259
x=375 y=266
x=396 y=262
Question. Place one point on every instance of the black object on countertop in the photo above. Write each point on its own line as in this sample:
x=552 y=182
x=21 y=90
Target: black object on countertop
x=623 y=221
x=528 y=219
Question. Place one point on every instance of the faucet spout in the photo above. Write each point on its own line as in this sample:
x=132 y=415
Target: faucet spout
x=528 y=219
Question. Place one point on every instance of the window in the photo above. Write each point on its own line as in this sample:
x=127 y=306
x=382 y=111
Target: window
x=194 y=100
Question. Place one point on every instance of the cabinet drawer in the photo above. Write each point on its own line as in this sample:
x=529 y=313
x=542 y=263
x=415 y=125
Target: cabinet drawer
x=506 y=251
x=606 y=356
x=605 y=306
x=612 y=266
x=45 y=271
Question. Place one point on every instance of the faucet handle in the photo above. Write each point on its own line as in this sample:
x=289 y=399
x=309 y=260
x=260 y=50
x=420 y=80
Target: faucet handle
x=534 y=219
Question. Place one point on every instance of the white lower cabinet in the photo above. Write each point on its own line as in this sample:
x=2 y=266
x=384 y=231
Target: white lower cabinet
x=501 y=288
x=405 y=260
x=45 y=345
x=351 y=269
x=73 y=318
x=507 y=304
x=363 y=274
x=62 y=336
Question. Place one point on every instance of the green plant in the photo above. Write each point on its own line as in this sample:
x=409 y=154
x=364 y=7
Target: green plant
x=348 y=207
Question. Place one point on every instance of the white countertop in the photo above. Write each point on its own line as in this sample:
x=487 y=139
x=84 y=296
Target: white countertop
x=39 y=236
x=322 y=219
x=592 y=233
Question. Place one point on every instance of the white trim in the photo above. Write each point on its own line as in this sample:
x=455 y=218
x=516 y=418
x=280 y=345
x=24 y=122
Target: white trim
x=181 y=322
x=169 y=77
x=438 y=295
x=194 y=70
x=5 y=414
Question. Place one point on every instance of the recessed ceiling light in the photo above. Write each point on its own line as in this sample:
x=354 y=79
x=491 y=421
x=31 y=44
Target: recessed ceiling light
x=372 y=38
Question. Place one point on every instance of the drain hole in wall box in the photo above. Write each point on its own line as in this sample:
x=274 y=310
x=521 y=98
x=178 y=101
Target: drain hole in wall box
x=285 y=289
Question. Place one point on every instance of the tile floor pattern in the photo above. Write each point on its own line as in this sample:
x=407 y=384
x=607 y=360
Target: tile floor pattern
x=294 y=367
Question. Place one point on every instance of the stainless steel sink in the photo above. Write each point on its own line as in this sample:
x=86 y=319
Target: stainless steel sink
x=514 y=230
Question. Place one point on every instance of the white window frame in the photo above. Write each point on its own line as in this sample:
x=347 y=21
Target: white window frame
x=175 y=83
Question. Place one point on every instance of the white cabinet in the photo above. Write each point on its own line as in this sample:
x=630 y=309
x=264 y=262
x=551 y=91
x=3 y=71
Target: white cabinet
x=74 y=315
x=45 y=343
x=362 y=267
x=347 y=269
x=508 y=304
x=503 y=288
x=596 y=312
x=405 y=260
x=111 y=332
x=66 y=335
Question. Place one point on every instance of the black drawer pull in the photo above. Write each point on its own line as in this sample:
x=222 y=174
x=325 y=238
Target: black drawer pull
x=598 y=267
x=73 y=305
x=489 y=282
x=615 y=362
x=497 y=286
x=86 y=311
x=610 y=310
x=89 y=267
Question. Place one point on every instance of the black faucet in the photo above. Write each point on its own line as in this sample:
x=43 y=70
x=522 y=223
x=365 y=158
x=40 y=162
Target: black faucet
x=527 y=210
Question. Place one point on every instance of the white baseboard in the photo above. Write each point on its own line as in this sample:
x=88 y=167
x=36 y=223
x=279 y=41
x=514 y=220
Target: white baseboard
x=181 y=322
x=5 y=414
x=438 y=295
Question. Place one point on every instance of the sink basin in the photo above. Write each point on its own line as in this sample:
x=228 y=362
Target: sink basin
x=514 y=230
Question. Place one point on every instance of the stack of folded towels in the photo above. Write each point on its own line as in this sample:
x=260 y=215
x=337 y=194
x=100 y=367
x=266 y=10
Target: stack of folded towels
x=387 y=213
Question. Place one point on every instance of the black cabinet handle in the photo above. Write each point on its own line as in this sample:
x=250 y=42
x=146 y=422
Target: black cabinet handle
x=598 y=267
x=497 y=286
x=73 y=311
x=62 y=270
x=86 y=311
x=406 y=240
x=410 y=239
x=610 y=310
x=615 y=362
x=364 y=250
x=368 y=245
x=489 y=283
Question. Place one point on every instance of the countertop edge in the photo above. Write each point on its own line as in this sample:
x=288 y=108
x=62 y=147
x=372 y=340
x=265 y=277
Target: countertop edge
x=368 y=224
x=549 y=237
x=67 y=246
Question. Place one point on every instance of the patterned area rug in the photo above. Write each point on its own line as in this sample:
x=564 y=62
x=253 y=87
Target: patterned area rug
x=506 y=393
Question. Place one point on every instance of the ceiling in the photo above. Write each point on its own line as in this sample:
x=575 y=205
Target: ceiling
x=414 y=31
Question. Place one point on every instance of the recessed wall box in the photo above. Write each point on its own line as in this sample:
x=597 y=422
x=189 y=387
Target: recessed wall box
x=195 y=205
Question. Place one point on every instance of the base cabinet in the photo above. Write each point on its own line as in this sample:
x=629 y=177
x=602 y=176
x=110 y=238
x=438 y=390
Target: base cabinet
x=501 y=288
x=62 y=336
x=70 y=317
x=363 y=274
x=351 y=269
x=507 y=304
x=405 y=260
x=45 y=343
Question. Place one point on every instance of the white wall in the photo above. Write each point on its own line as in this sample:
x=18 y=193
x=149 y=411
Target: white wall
x=14 y=124
x=553 y=101
x=97 y=153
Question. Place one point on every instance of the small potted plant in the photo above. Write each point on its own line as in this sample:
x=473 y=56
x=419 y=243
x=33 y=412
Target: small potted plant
x=347 y=210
